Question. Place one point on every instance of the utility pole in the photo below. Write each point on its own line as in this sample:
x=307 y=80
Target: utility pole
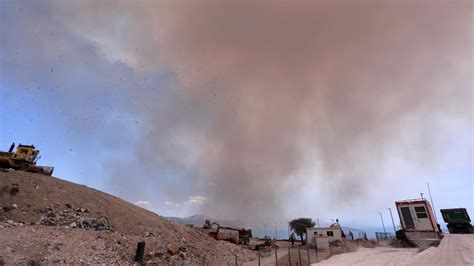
x=393 y=223
x=265 y=228
x=382 y=222
x=432 y=203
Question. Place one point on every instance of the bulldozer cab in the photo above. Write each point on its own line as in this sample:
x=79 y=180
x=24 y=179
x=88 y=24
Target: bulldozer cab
x=27 y=153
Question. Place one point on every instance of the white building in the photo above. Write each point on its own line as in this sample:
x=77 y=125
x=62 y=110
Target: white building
x=418 y=222
x=416 y=215
x=322 y=236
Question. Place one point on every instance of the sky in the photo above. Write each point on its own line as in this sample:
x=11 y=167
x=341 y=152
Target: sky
x=258 y=111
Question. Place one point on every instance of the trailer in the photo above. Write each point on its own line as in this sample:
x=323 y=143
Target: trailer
x=234 y=235
x=458 y=221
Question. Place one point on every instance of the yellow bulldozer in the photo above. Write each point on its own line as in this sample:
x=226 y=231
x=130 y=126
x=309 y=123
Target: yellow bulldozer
x=24 y=159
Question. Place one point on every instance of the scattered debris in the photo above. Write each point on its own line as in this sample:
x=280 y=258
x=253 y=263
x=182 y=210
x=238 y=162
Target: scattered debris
x=151 y=234
x=73 y=219
x=81 y=210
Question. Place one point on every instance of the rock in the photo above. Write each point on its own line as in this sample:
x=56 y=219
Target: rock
x=14 y=189
x=10 y=222
x=81 y=210
x=159 y=254
x=6 y=209
x=173 y=249
x=101 y=228
x=150 y=234
x=14 y=206
x=45 y=210
x=69 y=206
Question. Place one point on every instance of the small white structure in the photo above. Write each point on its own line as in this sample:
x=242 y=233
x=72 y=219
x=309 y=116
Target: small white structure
x=322 y=236
x=418 y=222
x=416 y=215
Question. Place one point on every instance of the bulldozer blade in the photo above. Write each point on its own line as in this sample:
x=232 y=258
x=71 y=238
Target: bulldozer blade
x=44 y=170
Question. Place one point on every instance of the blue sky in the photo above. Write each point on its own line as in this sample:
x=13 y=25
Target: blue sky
x=227 y=113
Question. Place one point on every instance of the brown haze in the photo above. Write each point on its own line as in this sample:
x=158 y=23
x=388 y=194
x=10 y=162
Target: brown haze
x=266 y=90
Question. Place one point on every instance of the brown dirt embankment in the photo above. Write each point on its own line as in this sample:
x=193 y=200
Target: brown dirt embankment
x=45 y=219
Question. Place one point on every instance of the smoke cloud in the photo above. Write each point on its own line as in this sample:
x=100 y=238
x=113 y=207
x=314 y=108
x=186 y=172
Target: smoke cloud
x=263 y=100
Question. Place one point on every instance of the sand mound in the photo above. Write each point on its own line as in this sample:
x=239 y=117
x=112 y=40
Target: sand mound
x=38 y=210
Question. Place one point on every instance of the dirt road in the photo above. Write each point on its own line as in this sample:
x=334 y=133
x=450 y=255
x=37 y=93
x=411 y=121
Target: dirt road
x=453 y=250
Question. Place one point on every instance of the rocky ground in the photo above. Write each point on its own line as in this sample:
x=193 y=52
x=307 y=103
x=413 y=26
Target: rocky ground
x=22 y=244
x=47 y=220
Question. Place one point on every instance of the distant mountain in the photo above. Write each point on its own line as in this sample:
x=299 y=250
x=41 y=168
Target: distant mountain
x=199 y=219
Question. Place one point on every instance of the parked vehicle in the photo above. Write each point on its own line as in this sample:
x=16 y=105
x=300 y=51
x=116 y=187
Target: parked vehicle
x=458 y=221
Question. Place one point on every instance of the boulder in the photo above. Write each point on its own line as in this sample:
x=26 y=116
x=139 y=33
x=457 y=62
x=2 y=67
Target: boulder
x=173 y=249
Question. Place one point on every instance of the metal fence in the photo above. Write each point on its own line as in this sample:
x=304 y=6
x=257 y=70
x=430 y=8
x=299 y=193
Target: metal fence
x=383 y=236
x=356 y=235
x=289 y=256
x=298 y=255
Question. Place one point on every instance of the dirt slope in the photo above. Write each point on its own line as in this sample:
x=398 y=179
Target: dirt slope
x=454 y=249
x=38 y=192
x=29 y=202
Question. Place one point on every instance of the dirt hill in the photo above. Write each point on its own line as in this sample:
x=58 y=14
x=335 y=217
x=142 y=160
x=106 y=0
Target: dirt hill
x=39 y=210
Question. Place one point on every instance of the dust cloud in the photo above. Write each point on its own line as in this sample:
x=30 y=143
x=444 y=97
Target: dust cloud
x=266 y=98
